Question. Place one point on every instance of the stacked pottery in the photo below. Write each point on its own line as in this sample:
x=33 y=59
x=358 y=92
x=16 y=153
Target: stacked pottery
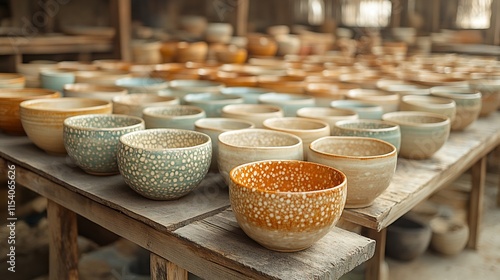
x=407 y=238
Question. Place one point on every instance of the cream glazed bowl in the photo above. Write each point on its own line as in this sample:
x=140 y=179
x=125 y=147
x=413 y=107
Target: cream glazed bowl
x=422 y=133
x=287 y=205
x=255 y=113
x=239 y=147
x=164 y=164
x=368 y=163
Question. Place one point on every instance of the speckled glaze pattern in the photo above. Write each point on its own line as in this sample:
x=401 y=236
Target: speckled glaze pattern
x=10 y=120
x=369 y=128
x=287 y=205
x=43 y=119
x=422 y=134
x=247 y=145
x=174 y=116
x=368 y=163
x=164 y=164
x=92 y=140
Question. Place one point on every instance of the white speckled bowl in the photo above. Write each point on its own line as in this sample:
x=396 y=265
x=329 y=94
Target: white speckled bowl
x=164 y=164
x=92 y=140
x=368 y=163
x=287 y=205
x=238 y=147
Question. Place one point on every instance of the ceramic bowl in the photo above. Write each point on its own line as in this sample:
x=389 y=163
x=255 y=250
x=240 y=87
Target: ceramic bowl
x=133 y=104
x=43 y=119
x=191 y=52
x=422 y=133
x=382 y=130
x=172 y=116
x=289 y=212
x=248 y=145
x=218 y=32
x=407 y=238
x=368 y=163
x=100 y=77
x=307 y=129
x=11 y=80
x=194 y=25
x=10 y=121
x=262 y=46
x=92 y=140
x=164 y=164
x=55 y=79
x=180 y=88
x=213 y=127
x=289 y=103
x=142 y=84
x=468 y=102
x=388 y=101
x=236 y=79
x=328 y=115
x=255 y=113
x=363 y=109
x=232 y=55
x=93 y=91
x=431 y=104
x=283 y=84
x=490 y=94
x=250 y=95
x=212 y=103
x=449 y=237
x=325 y=93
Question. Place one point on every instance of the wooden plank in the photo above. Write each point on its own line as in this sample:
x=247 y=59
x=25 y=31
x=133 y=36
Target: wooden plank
x=175 y=272
x=121 y=17
x=163 y=269
x=242 y=17
x=374 y=265
x=416 y=180
x=54 y=44
x=209 y=198
x=329 y=258
x=478 y=176
x=63 y=246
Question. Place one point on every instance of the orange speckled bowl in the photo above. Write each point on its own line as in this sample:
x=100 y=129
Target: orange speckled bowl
x=43 y=119
x=287 y=205
x=10 y=122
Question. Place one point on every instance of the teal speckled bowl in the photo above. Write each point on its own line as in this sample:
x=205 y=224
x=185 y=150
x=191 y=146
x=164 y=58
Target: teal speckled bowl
x=382 y=130
x=92 y=140
x=164 y=164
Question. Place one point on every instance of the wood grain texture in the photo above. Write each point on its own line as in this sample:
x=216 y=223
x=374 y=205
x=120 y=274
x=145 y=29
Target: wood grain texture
x=63 y=247
x=478 y=177
x=374 y=265
x=415 y=180
x=329 y=258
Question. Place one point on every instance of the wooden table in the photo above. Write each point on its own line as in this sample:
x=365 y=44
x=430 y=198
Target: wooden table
x=415 y=180
x=197 y=233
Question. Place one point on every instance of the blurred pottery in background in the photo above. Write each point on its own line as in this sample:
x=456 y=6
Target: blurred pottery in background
x=468 y=103
x=172 y=116
x=133 y=104
x=490 y=94
x=8 y=80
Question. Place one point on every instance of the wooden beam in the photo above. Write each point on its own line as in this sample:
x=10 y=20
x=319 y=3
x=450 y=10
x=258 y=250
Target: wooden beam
x=242 y=17
x=163 y=269
x=373 y=266
x=478 y=172
x=121 y=18
x=63 y=246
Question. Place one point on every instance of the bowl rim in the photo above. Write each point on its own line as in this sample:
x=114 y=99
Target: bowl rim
x=68 y=122
x=229 y=109
x=118 y=99
x=202 y=124
x=455 y=92
x=434 y=101
x=124 y=137
x=103 y=104
x=270 y=124
x=206 y=98
x=356 y=104
x=44 y=93
x=298 y=143
x=348 y=112
x=150 y=112
x=390 y=125
x=289 y=161
x=392 y=153
x=285 y=98
x=93 y=88
x=444 y=119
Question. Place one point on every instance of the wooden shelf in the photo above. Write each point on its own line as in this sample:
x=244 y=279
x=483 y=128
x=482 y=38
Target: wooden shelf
x=54 y=45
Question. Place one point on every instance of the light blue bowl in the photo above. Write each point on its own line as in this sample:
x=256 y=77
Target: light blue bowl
x=249 y=94
x=212 y=103
x=364 y=110
x=382 y=130
x=290 y=103
x=142 y=84
x=164 y=164
x=172 y=116
x=92 y=140
x=56 y=79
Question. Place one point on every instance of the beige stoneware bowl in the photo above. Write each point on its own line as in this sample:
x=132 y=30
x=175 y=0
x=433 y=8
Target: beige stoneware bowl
x=133 y=104
x=43 y=119
x=255 y=113
x=368 y=163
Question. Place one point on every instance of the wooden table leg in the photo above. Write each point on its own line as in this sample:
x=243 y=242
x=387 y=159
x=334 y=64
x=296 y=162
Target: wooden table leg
x=497 y=157
x=163 y=269
x=63 y=246
x=478 y=172
x=374 y=265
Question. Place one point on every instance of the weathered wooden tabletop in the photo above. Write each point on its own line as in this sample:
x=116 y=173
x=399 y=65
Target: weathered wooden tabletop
x=197 y=233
